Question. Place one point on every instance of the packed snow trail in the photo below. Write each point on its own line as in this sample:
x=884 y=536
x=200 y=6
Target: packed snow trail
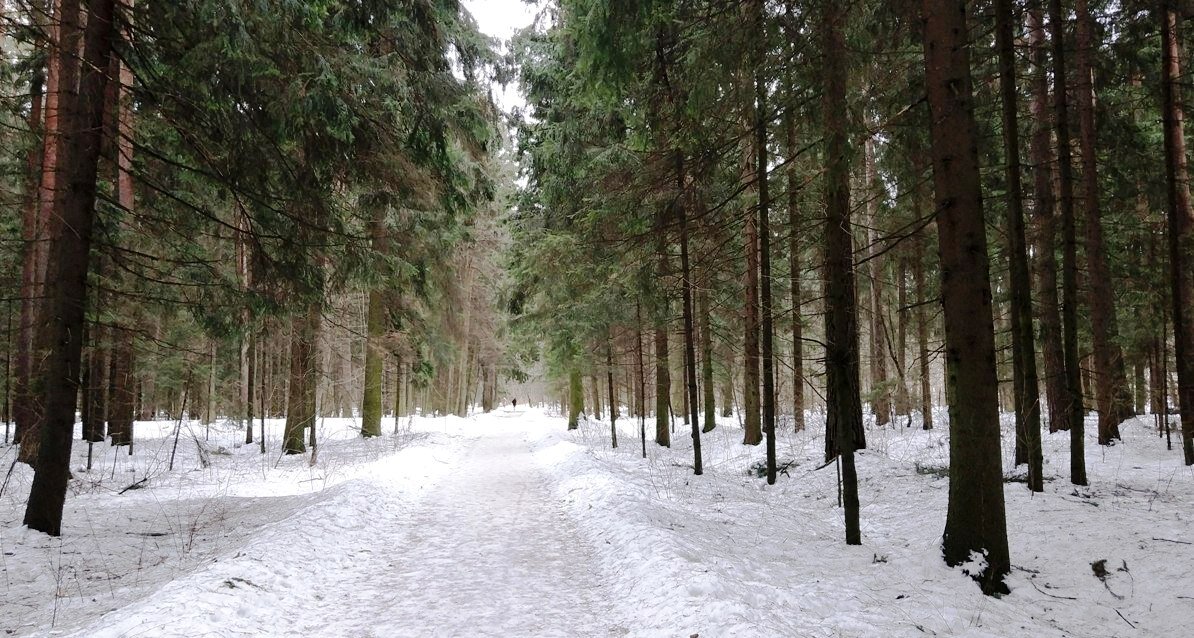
x=487 y=551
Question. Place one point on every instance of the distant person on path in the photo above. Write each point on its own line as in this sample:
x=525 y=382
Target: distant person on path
x=514 y=404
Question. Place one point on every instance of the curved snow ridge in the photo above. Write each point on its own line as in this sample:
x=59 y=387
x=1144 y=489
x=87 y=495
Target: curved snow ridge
x=286 y=565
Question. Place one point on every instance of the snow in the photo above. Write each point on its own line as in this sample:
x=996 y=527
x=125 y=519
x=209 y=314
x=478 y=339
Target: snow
x=508 y=525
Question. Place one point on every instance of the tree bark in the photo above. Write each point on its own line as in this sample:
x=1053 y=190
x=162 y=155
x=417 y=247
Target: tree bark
x=70 y=257
x=1181 y=222
x=1112 y=396
x=1027 y=395
x=1057 y=391
x=1069 y=303
x=843 y=428
x=975 y=519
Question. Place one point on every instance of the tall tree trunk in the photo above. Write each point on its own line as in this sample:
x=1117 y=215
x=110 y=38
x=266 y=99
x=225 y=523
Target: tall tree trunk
x=1113 y=397
x=764 y=235
x=975 y=519
x=1069 y=303
x=70 y=256
x=753 y=431
x=663 y=379
x=1057 y=390
x=1181 y=222
x=24 y=410
x=689 y=346
x=1027 y=396
x=881 y=395
x=843 y=427
x=922 y=326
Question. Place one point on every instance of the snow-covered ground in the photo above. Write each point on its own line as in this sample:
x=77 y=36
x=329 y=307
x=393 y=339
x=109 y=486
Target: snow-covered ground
x=507 y=525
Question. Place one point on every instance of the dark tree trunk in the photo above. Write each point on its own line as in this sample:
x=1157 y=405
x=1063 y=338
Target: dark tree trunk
x=304 y=379
x=663 y=378
x=1069 y=303
x=71 y=252
x=1181 y=223
x=753 y=430
x=122 y=391
x=843 y=428
x=1112 y=396
x=689 y=346
x=975 y=520
x=922 y=329
x=764 y=237
x=613 y=402
x=1027 y=396
x=1053 y=352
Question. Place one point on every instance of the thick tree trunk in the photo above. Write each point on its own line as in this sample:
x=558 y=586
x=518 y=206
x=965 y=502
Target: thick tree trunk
x=375 y=329
x=1113 y=398
x=843 y=428
x=24 y=404
x=975 y=519
x=1181 y=223
x=1069 y=303
x=1027 y=395
x=304 y=379
x=70 y=256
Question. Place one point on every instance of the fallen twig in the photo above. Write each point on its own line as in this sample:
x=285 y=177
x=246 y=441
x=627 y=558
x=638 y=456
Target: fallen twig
x=1125 y=619
x=1051 y=595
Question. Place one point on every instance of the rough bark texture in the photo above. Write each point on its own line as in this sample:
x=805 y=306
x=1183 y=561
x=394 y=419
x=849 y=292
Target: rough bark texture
x=375 y=329
x=975 y=520
x=70 y=256
x=1069 y=275
x=843 y=428
x=752 y=425
x=1112 y=395
x=1181 y=224
x=1041 y=156
x=1027 y=395
x=304 y=365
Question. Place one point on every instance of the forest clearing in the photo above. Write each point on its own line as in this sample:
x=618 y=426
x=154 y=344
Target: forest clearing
x=588 y=317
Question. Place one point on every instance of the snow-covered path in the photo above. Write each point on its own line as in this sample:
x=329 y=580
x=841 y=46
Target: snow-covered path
x=477 y=545
x=493 y=553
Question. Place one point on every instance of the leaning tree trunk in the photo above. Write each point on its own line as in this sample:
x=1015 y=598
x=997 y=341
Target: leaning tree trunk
x=1027 y=395
x=843 y=428
x=1112 y=395
x=69 y=260
x=1181 y=223
x=1069 y=303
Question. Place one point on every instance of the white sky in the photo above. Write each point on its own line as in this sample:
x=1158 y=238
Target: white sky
x=500 y=19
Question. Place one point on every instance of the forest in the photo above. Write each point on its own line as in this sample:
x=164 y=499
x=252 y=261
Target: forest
x=920 y=272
